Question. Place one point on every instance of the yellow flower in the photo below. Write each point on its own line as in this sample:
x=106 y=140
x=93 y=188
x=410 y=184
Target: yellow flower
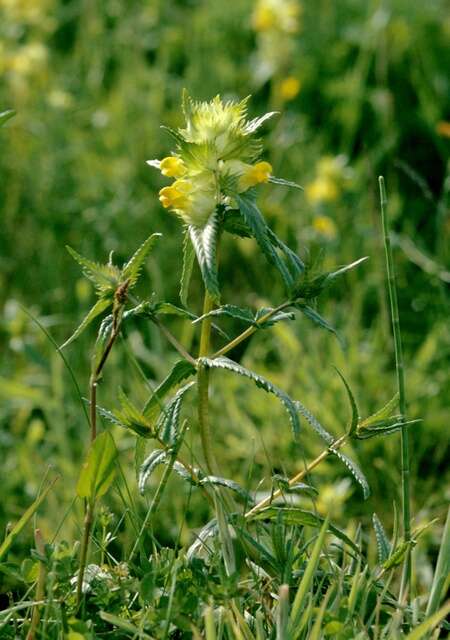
x=280 y=15
x=325 y=226
x=289 y=88
x=322 y=189
x=172 y=167
x=177 y=195
x=255 y=174
x=264 y=18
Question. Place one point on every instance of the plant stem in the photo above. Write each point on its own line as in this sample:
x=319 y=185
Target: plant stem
x=299 y=476
x=251 y=330
x=40 y=587
x=405 y=468
x=88 y=520
x=174 y=342
x=203 y=389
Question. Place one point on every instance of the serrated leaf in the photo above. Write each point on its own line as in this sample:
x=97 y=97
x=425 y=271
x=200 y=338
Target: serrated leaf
x=168 y=422
x=204 y=241
x=355 y=471
x=308 y=288
x=372 y=432
x=234 y=223
x=383 y=544
x=157 y=457
x=180 y=371
x=313 y=315
x=228 y=484
x=260 y=231
x=285 y=183
x=297 y=516
x=381 y=414
x=230 y=365
x=315 y=424
x=296 y=264
x=230 y=310
x=188 y=264
x=6 y=115
x=279 y=316
x=339 y=272
x=131 y=270
x=131 y=418
x=98 y=471
x=105 y=277
x=101 y=305
x=354 y=407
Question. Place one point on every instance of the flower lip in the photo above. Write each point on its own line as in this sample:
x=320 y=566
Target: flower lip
x=172 y=167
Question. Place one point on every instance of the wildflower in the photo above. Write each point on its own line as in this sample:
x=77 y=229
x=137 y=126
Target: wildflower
x=322 y=189
x=255 y=174
x=279 y=15
x=325 y=226
x=172 y=167
x=216 y=159
x=289 y=88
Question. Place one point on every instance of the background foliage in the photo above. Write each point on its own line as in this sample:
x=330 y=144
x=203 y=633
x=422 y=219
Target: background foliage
x=363 y=89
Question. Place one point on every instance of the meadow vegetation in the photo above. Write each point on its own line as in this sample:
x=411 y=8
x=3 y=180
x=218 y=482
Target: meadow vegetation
x=201 y=457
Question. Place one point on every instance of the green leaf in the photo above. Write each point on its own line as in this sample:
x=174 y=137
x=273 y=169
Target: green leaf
x=296 y=516
x=101 y=305
x=355 y=414
x=204 y=241
x=234 y=223
x=315 y=424
x=188 y=264
x=262 y=383
x=279 y=316
x=157 y=457
x=98 y=472
x=228 y=484
x=381 y=414
x=180 y=371
x=106 y=278
x=260 y=231
x=131 y=418
x=313 y=315
x=355 y=471
x=308 y=288
x=285 y=183
x=302 y=592
x=230 y=310
x=6 y=115
x=25 y=518
x=339 y=272
x=429 y=624
x=383 y=544
x=385 y=428
x=131 y=270
x=168 y=422
x=442 y=570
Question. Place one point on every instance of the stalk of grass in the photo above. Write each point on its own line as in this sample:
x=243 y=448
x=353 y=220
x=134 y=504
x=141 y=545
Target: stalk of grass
x=405 y=463
x=441 y=574
x=40 y=586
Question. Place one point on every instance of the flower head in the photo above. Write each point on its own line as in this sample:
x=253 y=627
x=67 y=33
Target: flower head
x=216 y=158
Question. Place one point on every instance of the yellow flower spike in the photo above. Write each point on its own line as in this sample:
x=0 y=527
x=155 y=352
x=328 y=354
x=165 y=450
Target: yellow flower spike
x=172 y=167
x=255 y=174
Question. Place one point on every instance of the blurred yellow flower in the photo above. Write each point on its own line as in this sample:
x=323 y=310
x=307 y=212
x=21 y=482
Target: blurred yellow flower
x=332 y=498
x=443 y=129
x=172 y=167
x=255 y=174
x=289 y=88
x=325 y=226
x=29 y=58
x=322 y=189
x=280 y=15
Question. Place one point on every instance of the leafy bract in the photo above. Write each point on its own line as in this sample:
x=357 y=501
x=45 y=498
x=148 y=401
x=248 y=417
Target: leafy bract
x=307 y=287
x=204 y=240
x=180 y=371
x=188 y=264
x=230 y=365
x=99 y=307
x=383 y=544
x=98 y=471
x=131 y=270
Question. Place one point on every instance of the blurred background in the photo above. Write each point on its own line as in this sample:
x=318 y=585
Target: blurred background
x=362 y=89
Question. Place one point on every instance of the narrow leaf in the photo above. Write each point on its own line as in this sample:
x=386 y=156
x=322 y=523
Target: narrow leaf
x=355 y=414
x=313 y=315
x=204 y=241
x=168 y=422
x=101 y=305
x=383 y=544
x=355 y=471
x=260 y=231
x=6 y=115
x=180 y=371
x=131 y=270
x=105 y=277
x=230 y=365
x=188 y=264
x=429 y=624
x=99 y=469
x=285 y=183
x=228 y=484
x=381 y=414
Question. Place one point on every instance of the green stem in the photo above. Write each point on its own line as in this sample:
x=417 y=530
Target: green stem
x=40 y=587
x=299 y=476
x=251 y=330
x=88 y=520
x=405 y=468
x=203 y=389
